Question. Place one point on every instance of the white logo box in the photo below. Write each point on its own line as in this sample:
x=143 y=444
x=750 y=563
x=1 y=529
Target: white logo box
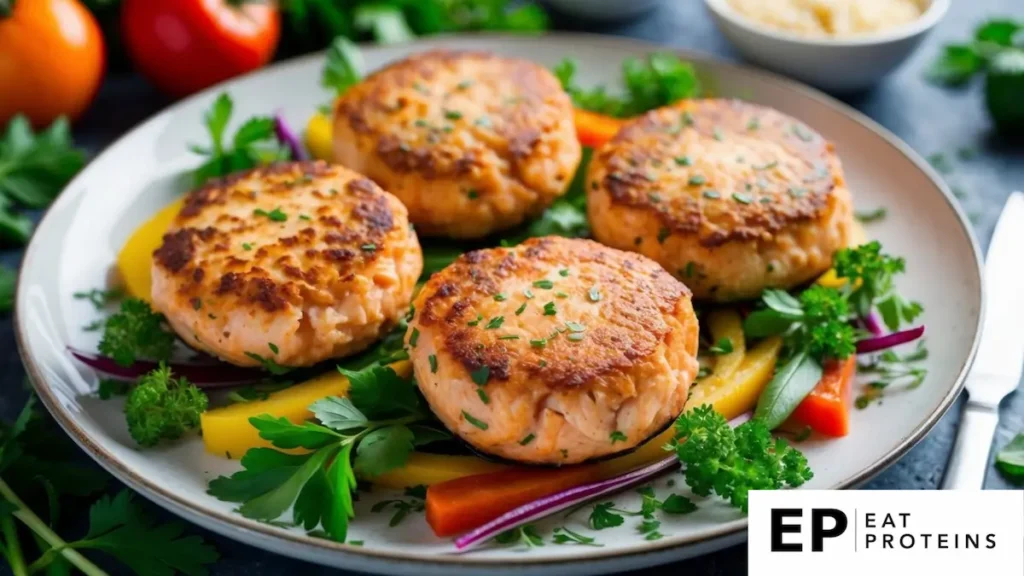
x=905 y=533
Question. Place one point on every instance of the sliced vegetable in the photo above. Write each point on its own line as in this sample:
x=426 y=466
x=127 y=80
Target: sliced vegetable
x=212 y=375
x=226 y=431
x=545 y=506
x=871 y=324
x=459 y=505
x=877 y=343
x=135 y=259
x=319 y=136
x=285 y=135
x=826 y=409
x=726 y=325
x=738 y=394
x=593 y=129
x=425 y=469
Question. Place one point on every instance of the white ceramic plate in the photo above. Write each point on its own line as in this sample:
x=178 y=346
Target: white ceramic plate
x=75 y=246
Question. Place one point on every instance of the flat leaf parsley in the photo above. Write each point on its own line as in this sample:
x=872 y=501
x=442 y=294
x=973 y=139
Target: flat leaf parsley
x=373 y=431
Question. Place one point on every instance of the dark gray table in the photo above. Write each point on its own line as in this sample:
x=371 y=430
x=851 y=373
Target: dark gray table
x=932 y=120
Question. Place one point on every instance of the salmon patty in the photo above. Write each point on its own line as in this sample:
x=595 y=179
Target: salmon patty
x=730 y=197
x=555 y=351
x=292 y=264
x=471 y=142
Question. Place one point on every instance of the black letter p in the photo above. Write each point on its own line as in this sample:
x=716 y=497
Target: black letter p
x=818 y=531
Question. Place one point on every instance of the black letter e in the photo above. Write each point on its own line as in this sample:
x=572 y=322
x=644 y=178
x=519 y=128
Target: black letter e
x=779 y=528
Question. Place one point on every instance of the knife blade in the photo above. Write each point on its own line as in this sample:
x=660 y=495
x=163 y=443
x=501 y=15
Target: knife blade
x=1000 y=359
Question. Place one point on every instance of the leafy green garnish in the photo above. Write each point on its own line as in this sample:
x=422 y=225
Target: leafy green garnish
x=1010 y=460
x=732 y=462
x=563 y=535
x=373 y=431
x=604 y=516
x=100 y=298
x=160 y=407
x=136 y=332
x=890 y=369
x=8 y=285
x=403 y=507
x=34 y=168
x=659 y=79
x=874 y=272
x=37 y=463
x=253 y=144
x=343 y=66
x=526 y=534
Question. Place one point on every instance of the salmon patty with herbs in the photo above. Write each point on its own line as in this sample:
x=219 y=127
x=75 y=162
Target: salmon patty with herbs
x=472 y=143
x=555 y=351
x=290 y=264
x=730 y=197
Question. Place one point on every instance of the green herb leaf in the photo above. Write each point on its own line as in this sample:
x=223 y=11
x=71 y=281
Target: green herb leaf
x=956 y=65
x=723 y=346
x=34 y=168
x=343 y=66
x=272 y=504
x=136 y=332
x=787 y=389
x=380 y=393
x=384 y=449
x=338 y=414
x=603 y=516
x=283 y=433
x=1010 y=460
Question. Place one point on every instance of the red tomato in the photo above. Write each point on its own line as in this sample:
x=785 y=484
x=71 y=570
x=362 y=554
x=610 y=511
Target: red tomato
x=183 y=46
x=51 y=60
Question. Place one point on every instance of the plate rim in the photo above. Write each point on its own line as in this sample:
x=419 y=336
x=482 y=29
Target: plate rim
x=233 y=526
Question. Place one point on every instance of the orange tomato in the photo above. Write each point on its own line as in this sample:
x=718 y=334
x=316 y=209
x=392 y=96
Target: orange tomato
x=51 y=60
x=183 y=46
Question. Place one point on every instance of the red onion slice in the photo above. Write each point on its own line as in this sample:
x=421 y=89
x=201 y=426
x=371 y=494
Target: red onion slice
x=288 y=137
x=202 y=375
x=889 y=340
x=871 y=324
x=568 y=498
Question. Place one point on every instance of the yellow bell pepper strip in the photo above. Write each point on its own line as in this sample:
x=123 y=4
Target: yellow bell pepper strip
x=319 y=137
x=227 y=432
x=727 y=325
x=429 y=469
x=136 y=256
x=738 y=394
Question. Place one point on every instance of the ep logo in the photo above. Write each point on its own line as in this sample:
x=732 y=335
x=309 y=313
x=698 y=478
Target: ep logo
x=822 y=523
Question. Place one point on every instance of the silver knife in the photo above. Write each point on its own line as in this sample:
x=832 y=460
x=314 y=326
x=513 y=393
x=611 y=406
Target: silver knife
x=998 y=365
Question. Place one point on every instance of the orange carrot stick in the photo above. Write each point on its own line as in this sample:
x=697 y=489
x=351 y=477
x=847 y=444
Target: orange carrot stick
x=462 y=504
x=827 y=408
x=593 y=129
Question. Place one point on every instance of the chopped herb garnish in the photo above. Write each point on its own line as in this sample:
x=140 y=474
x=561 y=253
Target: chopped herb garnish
x=575 y=336
x=690 y=268
x=594 y=294
x=528 y=293
x=276 y=214
x=663 y=235
x=742 y=198
x=481 y=375
x=500 y=297
x=273 y=347
x=753 y=124
x=540 y=343
x=563 y=272
x=617 y=436
x=495 y=323
x=712 y=194
x=563 y=535
x=197 y=303
x=561 y=294
x=684 y=161
x=464 y=84
x=549 y=309
x=246 y=246
x=526 y=439
x=521 y=309
x=544 y=284
x=472 y=194
x=478 y=423
x=875 y=215
x=433 y=363
x=304 y=217
x=452 y=115
x=483 y=396
x=368 y=247
x=479 y=317
x=697 y=180
x=414 y=337
x=508 y=337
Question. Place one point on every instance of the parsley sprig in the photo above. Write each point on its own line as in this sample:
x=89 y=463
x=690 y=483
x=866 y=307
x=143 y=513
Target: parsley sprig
x=733 y=461
x=33 y=467
x=34 y=168
x=253 y=144
x=135 y=332
x=161 y=407
x=816 y=325
x=658 y=79
x=371 y=432
x=890 y=369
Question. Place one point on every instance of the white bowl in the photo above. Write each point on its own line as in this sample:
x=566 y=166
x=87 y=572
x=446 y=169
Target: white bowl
x=841 y=64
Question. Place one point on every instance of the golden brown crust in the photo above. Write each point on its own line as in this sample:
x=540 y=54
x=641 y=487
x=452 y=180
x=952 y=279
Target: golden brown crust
x=307 y=259
x=471 y=142
x=623 y=327
x=723 y=170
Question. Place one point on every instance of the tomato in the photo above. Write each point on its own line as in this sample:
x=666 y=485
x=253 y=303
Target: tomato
x=51 y=60
x=183 y=46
